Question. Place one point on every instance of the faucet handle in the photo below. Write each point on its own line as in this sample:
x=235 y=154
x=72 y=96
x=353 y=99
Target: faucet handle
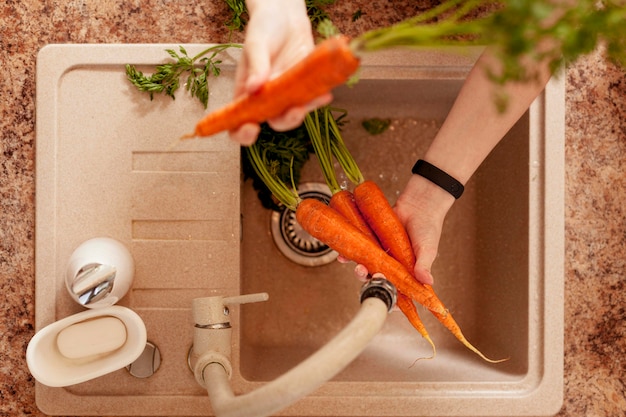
x=246 y=298
x=212 y=311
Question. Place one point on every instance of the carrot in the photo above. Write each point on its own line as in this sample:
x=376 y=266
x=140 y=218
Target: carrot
x=448 y=321
x=379 y=214
x=343 y=202
x=330 y=64
x=330 y=227
x=405 y=304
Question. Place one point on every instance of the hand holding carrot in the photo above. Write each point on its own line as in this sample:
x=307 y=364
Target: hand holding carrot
x=421 y=207
x=278 y=35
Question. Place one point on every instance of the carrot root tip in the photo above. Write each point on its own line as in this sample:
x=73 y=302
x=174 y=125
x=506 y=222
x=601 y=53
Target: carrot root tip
x=188 y=136
x=427 y=358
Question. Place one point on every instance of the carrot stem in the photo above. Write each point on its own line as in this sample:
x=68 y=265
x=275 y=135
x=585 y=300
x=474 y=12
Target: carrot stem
x=288 y=197
x=321 y=146
x=422 y=31
x=343 y=155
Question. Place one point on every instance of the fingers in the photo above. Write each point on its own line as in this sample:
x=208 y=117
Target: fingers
x=270 y=49
x=361 y=273
x=426 y=251
x=426 y=257
x=423 y=275
x=291 y=119
x=246 y=134
x=257 y=66
x=294 y=117
x=342 y=259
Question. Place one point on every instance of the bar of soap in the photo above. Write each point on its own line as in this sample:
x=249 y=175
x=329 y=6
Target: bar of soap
x=87 y=338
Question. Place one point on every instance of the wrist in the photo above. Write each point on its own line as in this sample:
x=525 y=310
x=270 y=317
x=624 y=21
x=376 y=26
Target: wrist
x=438 y=177
x=422 y=195
x=299 y=5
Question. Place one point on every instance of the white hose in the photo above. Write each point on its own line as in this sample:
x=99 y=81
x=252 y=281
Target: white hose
x=303 y=378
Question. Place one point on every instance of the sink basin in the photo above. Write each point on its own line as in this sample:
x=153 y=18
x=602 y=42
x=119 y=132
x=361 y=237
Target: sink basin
x=109 y=163
x=499 y=269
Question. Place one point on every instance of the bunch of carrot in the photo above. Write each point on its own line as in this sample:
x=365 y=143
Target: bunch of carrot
x=362 y=226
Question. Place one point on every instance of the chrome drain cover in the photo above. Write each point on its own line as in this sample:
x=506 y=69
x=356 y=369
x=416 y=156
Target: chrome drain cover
x=293 y=241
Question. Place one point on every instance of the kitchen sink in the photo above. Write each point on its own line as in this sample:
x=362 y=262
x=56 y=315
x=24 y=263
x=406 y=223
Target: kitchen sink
x=110 y=163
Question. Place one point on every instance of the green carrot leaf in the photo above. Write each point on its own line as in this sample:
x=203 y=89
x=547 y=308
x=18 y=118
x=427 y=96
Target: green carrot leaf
x=166 y=77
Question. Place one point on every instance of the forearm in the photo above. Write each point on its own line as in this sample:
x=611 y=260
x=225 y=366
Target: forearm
x=471 y=130
x=475 y=125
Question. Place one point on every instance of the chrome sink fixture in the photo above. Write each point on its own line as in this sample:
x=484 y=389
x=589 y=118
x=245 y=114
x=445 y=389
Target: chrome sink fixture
x=110 y=163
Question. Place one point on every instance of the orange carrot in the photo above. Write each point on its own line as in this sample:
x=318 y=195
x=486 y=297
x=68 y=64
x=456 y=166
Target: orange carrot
x=380 y=216
x=330 y=227
x=405 y=304
x=343 y=202
x=330 y=64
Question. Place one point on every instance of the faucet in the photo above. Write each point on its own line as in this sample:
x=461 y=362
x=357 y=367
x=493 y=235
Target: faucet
x=210 y=354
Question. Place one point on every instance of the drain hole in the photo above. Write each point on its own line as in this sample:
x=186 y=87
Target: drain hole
x=293 y=241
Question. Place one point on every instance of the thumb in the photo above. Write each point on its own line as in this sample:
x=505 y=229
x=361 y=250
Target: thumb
x=425 y=256
x=423 y=274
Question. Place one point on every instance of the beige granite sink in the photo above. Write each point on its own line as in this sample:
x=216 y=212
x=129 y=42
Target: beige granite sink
x=109 y=163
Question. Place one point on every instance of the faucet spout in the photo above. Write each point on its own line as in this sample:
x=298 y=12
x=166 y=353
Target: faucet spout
x=304 y=378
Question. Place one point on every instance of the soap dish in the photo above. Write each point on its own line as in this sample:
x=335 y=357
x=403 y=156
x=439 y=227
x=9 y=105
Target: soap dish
x=53 y=368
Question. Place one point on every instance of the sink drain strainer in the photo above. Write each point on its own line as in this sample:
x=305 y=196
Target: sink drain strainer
x=293 y=241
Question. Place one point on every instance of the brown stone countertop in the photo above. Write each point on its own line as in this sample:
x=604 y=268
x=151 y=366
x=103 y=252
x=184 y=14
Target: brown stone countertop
x=595 y=293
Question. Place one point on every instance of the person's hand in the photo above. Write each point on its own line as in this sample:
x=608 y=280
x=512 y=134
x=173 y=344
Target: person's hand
x=421 y=208
x=277 y=36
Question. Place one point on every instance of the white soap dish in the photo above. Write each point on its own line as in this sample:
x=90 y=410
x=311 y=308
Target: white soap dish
x=113 y=337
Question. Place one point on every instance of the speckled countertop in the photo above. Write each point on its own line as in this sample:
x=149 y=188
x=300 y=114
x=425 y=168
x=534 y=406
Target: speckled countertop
x=595 y=297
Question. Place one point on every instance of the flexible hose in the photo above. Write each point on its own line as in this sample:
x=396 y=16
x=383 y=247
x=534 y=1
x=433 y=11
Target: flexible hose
x=304 y=378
